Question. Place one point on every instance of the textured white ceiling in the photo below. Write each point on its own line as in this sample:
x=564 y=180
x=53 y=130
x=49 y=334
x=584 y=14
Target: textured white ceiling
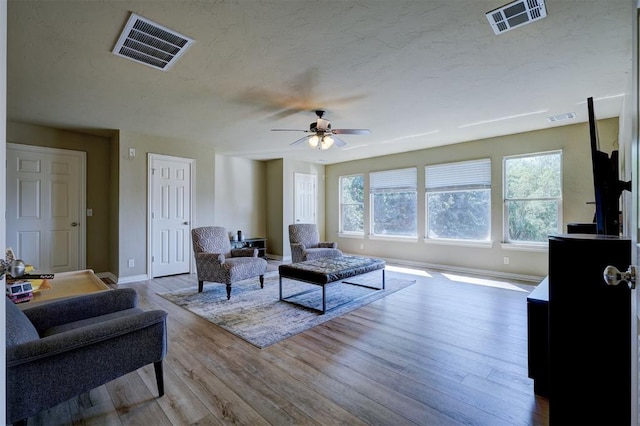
x=417 y=73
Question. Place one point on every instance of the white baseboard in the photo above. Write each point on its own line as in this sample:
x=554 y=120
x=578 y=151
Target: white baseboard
x=472 y=271
x=131 y=279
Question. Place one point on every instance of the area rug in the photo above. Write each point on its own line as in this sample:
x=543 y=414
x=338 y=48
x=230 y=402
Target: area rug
x=259 y=317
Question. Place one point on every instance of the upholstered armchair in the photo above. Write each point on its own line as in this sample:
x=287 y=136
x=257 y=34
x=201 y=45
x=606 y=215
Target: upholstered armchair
x=60 y=349
x=217 y=262
x=306 y=245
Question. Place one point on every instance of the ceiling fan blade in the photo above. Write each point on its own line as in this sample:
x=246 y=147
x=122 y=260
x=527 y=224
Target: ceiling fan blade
x=304 y=139
x=338 y=142
x=288 y=130
x=351 y=131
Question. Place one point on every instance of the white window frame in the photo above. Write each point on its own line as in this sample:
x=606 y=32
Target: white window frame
x=507 y=242
x=461 y=176
x=396 y=180
x=342 y=204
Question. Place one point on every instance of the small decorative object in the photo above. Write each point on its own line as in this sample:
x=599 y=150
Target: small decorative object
x=240 y=237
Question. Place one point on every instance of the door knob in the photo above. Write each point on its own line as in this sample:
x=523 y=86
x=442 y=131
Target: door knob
x=613 y=276
x=74 y=223
x=185 y=223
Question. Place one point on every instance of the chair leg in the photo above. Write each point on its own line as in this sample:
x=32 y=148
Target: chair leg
x=157 y=366
x=200 y=286
x=261 y=281
x=228 y=291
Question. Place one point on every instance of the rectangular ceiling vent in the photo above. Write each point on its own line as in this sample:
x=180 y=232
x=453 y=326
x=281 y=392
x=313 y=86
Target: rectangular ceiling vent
x=151 y=44
x=516 y=14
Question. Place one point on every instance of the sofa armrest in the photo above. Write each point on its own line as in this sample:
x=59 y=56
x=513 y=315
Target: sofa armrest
x=210 y=257
x=64 y=311
x=244 y=252
x=75 y=339
x=328 y=244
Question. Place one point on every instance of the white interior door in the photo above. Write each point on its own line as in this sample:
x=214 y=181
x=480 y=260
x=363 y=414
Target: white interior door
x=305 y=195
x=170 y=206
x=45 y=207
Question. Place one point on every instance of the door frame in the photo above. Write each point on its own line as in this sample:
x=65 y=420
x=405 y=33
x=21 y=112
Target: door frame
x=82 y=185
x=633 y=207
x=150 y=190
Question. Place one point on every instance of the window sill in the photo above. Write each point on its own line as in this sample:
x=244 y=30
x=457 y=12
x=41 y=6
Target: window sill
x=394 y=238
x=356 y=236
x=460 y=243
x=541 y=248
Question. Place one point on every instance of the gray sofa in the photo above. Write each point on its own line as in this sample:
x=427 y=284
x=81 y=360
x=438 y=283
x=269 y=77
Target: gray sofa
x=60 y=349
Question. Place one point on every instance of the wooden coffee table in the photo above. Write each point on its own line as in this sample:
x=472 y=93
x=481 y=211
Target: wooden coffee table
x=68 y=284
x=325 y=271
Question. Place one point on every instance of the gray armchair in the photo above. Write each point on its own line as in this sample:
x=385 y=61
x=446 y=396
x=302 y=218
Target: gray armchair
x=306 y=245
x=217 y=262
x=63 y=348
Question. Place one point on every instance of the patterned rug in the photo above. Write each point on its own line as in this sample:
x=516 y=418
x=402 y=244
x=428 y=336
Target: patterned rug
x=259 y=317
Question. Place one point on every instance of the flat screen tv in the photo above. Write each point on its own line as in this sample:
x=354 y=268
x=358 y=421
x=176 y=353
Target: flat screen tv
x=607 y=185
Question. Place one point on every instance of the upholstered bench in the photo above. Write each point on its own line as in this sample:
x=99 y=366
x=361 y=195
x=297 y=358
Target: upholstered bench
x=328 y=270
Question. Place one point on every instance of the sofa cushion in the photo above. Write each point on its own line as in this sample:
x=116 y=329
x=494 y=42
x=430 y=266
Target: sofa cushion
x=19 y=329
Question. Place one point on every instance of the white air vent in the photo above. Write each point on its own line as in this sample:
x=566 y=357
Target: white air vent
x=516 y=14
x=148 y=43
x=562 y=117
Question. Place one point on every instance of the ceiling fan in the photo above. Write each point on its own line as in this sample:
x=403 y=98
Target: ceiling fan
x=322 y=135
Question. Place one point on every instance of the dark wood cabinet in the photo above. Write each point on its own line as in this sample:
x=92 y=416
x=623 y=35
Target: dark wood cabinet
x=259 y=243
x=538 y=337
x=589 y=331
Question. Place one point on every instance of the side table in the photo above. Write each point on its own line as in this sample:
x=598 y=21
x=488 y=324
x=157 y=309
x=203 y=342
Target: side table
x=259 y=243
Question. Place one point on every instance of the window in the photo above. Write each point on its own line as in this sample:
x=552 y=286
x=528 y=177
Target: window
x=458 y=201
x=394 y=203
x=352 y=204
x=532 y=197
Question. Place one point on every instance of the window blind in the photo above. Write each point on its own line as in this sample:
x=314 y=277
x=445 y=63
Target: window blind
x=393 y=180
x=466 y=175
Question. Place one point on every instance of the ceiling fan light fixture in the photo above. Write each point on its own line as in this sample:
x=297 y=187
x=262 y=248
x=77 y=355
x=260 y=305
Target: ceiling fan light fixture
x=327 y=142
x=313 y=141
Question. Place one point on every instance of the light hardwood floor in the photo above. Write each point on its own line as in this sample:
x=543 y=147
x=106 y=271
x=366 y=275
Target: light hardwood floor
x=440 y=352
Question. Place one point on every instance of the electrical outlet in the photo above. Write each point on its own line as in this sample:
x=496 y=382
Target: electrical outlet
x=506 y=260
x=131 y=263
x=361 y=246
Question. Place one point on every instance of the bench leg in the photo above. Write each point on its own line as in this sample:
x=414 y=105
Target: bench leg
x=280 y=287
x=383 y=278
x=324 y=299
